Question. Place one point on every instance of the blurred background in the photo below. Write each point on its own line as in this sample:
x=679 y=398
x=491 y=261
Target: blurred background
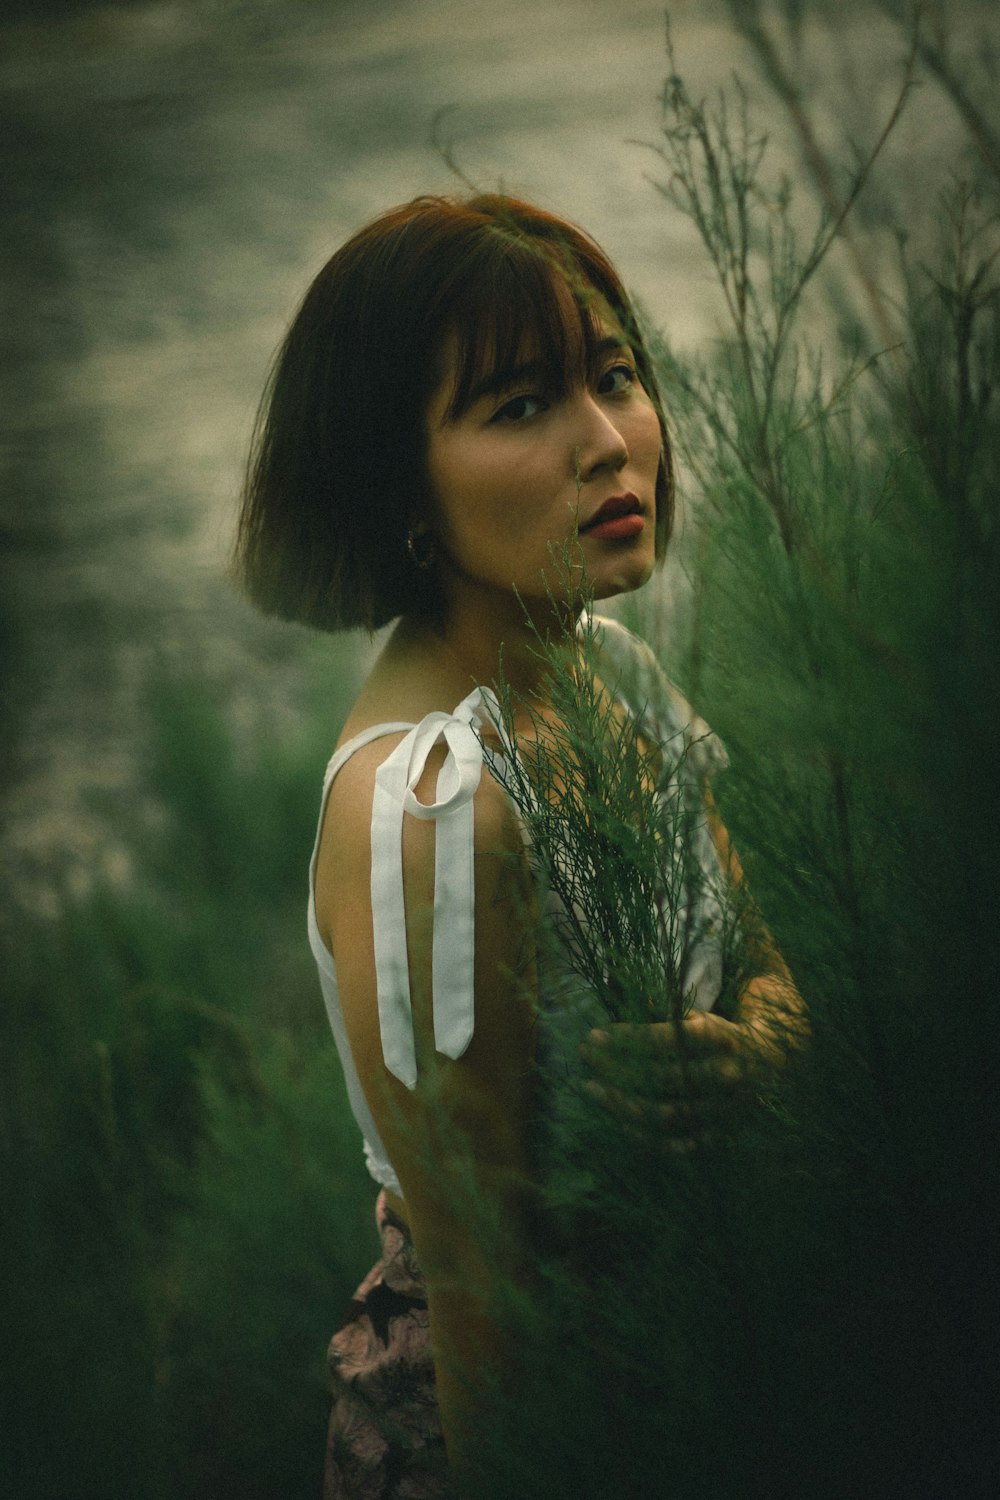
x=176 y=173
x=187 y=1209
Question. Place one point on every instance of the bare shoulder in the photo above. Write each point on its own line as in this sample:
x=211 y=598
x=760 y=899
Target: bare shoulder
x=344 y=855
x=343 y=890
x=348 y=812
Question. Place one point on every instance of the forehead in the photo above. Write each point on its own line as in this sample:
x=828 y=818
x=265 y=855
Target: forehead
x=546 y=321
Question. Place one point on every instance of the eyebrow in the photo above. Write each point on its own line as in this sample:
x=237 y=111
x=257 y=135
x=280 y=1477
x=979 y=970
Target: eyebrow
x=502 y=380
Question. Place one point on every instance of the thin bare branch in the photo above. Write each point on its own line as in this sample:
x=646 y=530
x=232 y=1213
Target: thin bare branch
x=747 y=22
x=932 y=51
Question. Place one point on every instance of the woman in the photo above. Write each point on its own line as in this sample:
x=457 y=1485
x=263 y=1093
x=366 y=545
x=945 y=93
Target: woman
x=463 y=398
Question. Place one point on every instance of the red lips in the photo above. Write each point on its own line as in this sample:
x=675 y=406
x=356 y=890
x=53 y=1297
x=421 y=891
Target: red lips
x=612 y=509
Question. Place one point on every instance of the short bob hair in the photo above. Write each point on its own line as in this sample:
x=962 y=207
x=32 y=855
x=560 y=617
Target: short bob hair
x=337 y=472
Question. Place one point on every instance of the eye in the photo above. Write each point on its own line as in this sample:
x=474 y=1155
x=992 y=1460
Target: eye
x=519 y=409
x=616 y=380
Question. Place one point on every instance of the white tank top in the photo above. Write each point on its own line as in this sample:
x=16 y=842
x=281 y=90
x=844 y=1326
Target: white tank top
x=663 y=716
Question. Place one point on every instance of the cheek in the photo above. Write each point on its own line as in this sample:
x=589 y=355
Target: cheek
x=452 y=482
x=647 y=444
x=470 y=505
x=482 y=485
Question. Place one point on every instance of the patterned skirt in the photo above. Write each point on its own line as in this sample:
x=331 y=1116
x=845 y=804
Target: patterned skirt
x=385 y=1439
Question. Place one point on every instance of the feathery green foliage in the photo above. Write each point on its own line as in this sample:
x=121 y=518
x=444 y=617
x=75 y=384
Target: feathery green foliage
x=185 y=1209
x=610 y=818
x=808 y=1306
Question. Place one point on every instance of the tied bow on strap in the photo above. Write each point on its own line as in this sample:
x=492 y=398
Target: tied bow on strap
x=453 y=947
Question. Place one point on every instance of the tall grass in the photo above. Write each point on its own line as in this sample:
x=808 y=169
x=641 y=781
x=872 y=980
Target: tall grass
x=185 y=1213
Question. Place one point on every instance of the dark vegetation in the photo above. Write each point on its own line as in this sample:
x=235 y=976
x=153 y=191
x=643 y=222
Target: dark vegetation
x=184 y=1208
x=808 y=1307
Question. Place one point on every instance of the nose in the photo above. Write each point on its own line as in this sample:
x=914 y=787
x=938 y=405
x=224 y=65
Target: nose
x=601 y=449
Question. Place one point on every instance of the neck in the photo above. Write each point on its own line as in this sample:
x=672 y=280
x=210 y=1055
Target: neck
x=481 y=644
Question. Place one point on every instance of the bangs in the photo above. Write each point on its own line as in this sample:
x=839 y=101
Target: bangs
x=518 y=305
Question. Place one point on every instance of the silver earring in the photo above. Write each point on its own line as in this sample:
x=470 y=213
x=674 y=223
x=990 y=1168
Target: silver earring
x=420 y=549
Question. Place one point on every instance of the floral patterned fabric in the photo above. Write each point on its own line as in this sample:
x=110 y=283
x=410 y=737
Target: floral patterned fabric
x=385 y=1439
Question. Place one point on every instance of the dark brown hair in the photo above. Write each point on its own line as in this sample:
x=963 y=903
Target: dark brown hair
x=337 y=473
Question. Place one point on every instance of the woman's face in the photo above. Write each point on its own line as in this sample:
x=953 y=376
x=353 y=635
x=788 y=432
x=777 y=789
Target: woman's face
x=526 y=473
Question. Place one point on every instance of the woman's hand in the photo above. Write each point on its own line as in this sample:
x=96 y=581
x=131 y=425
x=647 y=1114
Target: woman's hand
x=682 y=1084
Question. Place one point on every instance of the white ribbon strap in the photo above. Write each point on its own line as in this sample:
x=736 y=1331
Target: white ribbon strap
x=453 y=947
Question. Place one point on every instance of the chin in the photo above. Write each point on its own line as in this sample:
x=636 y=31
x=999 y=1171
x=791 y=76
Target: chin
x=624 y=581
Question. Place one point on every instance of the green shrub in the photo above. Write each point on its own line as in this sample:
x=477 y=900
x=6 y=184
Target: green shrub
x=185 y=1208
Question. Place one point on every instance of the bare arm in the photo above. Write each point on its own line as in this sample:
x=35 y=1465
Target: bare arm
x=720 y=1057
x=769 y=1006
x=458 y=1140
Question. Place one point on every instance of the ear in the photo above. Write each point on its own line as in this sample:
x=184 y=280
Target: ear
x=421 y=547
